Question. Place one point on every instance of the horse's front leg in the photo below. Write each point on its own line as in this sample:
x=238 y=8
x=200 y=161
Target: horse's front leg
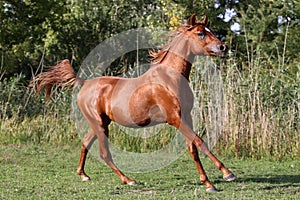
x=203 y=178
x=227 y=174
x=86 y=144
x=195 y=156
x=194 y=141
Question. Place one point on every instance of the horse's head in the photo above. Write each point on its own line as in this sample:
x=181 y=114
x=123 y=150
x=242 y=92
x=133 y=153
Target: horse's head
x=202 y=41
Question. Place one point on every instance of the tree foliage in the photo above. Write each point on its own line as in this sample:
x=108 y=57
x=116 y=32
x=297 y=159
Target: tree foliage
x=270 y=27
x=34 y=30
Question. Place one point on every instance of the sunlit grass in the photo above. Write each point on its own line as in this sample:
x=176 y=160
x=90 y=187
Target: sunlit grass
x=49 y=172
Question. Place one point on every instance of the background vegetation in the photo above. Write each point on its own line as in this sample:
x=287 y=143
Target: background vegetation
x=261 y=76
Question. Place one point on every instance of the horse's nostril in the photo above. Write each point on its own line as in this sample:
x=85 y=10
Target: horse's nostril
x=223 y=47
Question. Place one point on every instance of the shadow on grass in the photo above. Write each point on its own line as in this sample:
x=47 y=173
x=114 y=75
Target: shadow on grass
x=273 y=179
x=276 y=181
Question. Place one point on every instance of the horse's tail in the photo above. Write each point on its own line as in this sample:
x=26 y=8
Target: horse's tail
x=61 y=75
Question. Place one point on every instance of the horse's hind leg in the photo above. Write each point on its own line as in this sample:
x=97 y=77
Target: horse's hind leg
x=106 y=156
x=98 y=122
x=87 y=142
x=99 y=127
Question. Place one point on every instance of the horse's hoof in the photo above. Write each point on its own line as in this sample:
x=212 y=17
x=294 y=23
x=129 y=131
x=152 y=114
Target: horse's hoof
x=230 y=177
x=212 y=190
x=86 y=178
x=132 y=183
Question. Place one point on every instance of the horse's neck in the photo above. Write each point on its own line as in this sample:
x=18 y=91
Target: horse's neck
x=179 y=58
x=178 y=64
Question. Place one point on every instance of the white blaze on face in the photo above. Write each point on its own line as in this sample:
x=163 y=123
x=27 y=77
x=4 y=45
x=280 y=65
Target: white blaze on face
x=206 y=29
x=209 y=31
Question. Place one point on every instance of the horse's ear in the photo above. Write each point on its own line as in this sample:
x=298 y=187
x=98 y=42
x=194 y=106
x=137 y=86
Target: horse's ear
x=204 y=21
x=208 y=24
x=192 y=20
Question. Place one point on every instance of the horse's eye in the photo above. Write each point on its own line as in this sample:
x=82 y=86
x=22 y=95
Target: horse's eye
x=201 y=35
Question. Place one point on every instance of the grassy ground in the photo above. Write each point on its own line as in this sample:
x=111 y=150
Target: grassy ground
x=48 y=172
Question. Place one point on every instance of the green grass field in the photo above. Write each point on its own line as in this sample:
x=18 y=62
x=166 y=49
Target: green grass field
x=49 y=172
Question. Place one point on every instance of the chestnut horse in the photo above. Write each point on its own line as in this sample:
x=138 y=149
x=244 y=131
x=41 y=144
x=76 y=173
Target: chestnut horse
x=161 y=95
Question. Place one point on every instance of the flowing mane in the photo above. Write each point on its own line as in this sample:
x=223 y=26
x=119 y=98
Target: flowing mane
x=158 y=56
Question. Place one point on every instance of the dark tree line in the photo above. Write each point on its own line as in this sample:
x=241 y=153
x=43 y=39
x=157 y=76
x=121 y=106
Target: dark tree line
x=35 y=31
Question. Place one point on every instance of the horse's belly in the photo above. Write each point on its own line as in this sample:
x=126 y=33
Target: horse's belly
x=139 y=115
x=139 y=107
